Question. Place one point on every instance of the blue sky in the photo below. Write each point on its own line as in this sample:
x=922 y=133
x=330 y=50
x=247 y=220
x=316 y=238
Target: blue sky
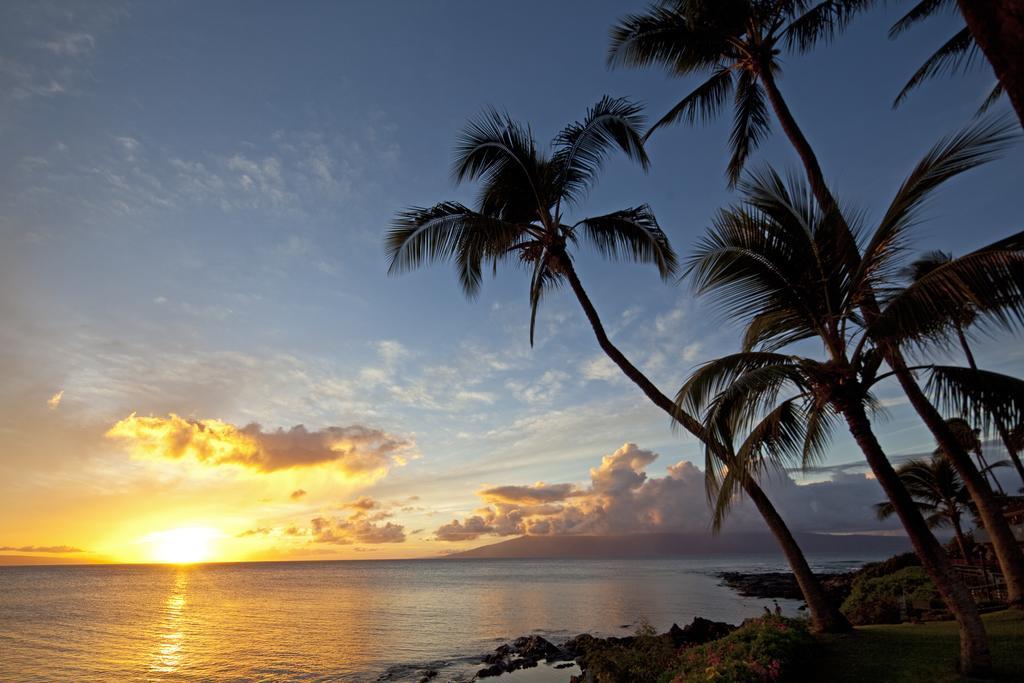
x=192 y=204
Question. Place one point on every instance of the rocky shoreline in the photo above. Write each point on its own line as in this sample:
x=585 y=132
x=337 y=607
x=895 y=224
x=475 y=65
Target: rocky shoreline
x=593 y=654
x=589 y=651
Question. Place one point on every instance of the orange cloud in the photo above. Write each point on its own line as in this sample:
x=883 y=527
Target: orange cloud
x=355 y=450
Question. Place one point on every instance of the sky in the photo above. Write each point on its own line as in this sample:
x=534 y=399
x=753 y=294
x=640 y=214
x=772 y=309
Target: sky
x=202 y=351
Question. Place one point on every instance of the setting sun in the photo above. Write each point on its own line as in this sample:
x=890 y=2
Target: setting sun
x=182 y=546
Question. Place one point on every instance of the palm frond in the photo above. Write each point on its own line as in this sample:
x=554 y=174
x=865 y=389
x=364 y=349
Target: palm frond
x=544 y=279
x=631 y=234
x=993 y=97
x=954 y=55
x=494 y=148
x=750 y=124
x=703 y=104
x=581 y=147
x=448 y=231
x=971 y=147
x=982 y=397
x=664 y=36
x=919 y=12
x=985 y=287
x=774 y=441
x=709 y=380
x=821 y=22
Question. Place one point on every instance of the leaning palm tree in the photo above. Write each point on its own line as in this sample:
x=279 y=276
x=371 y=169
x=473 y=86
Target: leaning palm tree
x=520 y=217
x=961 y=318
x=738 y=43
x=792 y=269
x=939 y=494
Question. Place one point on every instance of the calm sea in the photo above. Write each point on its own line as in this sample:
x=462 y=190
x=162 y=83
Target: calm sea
x=346 y=621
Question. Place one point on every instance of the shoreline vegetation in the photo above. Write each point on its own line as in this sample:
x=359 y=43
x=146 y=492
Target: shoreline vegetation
x=892 y=604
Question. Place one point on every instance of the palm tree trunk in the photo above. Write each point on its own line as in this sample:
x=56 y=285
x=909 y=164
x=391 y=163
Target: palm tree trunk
x=960 y=540
x=796 y=137
x=998 y=28
x=1007 y=550
x=825 y=617
x=975 y=658
x=1004 y=434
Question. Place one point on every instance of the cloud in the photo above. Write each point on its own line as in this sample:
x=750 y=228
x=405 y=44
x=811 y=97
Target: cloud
x=297 y=494
x=362 y=503
x=41 y=549
x=261 y=531
x=355 y=450
x=76 y=45
x=355 y=529
x=622 y=498
x=471 y=528
x=535 y=494
x=54 y=401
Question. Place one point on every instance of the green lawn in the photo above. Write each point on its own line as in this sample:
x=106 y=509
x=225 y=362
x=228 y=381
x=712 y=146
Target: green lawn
x=916 y=652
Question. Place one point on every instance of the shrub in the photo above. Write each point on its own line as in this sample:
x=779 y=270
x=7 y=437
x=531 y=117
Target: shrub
x=765 y=649
x=640 y=659
x=876 y=600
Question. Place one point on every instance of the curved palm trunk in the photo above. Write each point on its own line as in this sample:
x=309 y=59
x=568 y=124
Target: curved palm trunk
x=998 y=28
x=796 y=137
x=824 y=615
x=975 y=658
x=1007 y=550
x=1004 y=434
x=960 y=540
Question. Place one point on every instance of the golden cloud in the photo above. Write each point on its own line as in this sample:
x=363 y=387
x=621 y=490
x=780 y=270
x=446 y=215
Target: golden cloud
x=356 y=451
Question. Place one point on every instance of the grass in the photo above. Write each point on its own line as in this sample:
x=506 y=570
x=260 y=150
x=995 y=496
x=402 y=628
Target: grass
x=916 y=652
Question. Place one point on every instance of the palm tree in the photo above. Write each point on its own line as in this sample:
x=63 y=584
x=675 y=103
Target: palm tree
x=793 y=270
x=961 y=319
x=938 y=492
x=520 y=217
x=738 y=43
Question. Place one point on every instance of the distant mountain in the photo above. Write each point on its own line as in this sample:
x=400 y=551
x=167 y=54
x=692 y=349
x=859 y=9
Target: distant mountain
x=678 y=545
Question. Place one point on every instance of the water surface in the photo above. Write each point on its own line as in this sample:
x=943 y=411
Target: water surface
x=346 y=621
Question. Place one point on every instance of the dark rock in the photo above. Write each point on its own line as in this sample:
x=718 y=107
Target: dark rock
x=535 y=647
x=522 y=663
x=492 y=670
x=563 y=665
x=428 y=675
x=699 y=631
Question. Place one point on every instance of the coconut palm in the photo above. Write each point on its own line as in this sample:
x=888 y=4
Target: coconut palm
x=792 y=269
x=961 y=318
x=737 y=43
x=520 y=217
x=938 y=492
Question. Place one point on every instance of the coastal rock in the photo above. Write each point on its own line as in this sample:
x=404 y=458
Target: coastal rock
x=699 y=631
x=493 y=670
x=536 y=648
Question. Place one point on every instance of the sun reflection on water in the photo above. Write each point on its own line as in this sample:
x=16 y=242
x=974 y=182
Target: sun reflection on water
x=167 y=655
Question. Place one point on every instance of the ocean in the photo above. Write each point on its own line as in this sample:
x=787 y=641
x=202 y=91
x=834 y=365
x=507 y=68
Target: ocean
x=343 y=621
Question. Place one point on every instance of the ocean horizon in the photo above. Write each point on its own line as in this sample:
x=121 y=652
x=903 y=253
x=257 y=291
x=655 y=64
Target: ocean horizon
x=349 y=620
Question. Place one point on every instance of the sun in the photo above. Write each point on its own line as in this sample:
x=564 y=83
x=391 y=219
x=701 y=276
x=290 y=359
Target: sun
x=182 y=546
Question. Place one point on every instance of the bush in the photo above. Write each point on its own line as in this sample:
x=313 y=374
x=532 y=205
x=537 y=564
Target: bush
x=640 y=659
x=766 y=649
x=877 y=599
x=873 y=570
